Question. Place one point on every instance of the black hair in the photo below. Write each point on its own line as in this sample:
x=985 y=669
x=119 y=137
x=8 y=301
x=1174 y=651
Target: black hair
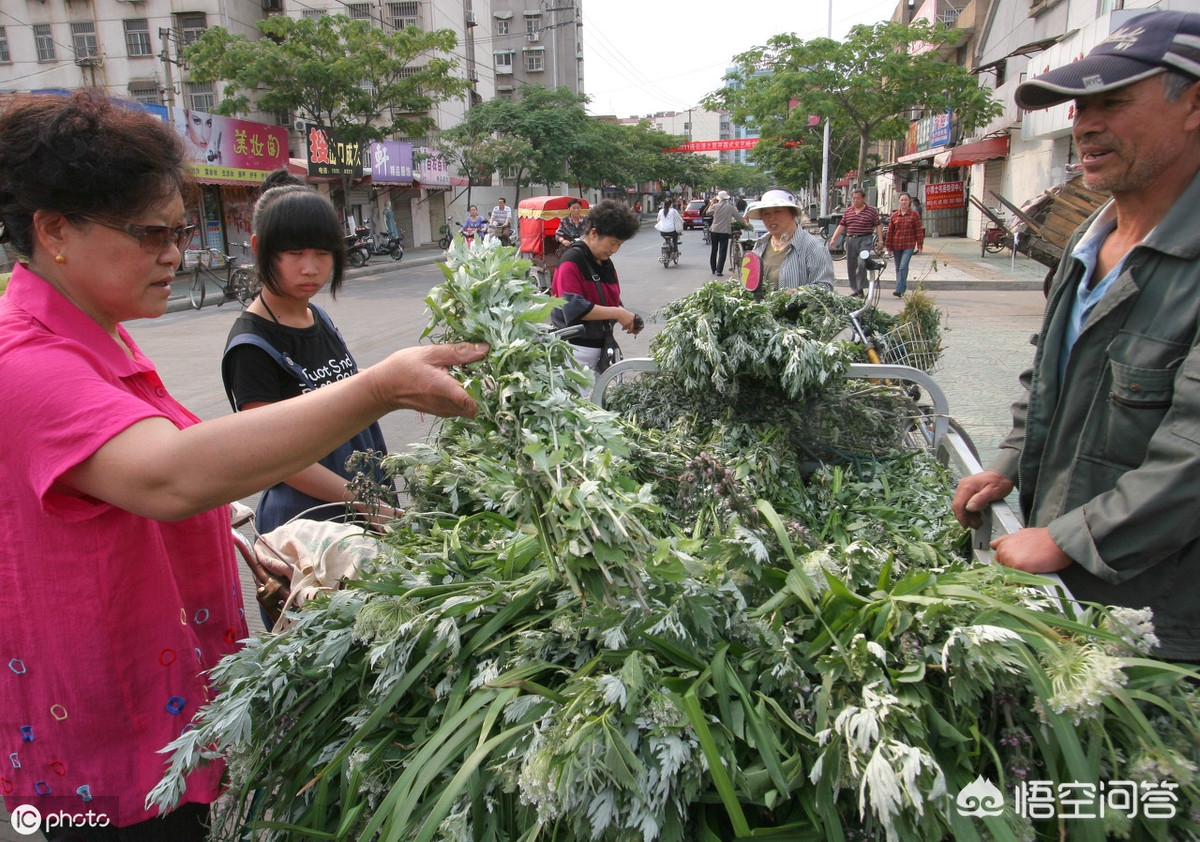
x=610 y=218
x=84 y=155
x=279 y=178
x=573 y=202
x=292 y=218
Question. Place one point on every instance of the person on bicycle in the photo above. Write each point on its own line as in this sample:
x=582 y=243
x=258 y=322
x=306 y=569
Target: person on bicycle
x=282 y=345
x=501 y=220
x=474 y=225
x=791 y=257
x=669 y=224
x=587 y=280
x=118 y=555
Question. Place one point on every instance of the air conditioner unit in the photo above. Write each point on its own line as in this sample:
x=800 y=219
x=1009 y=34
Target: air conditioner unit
x=533 y=37
x=299 y=125
x=470 y=18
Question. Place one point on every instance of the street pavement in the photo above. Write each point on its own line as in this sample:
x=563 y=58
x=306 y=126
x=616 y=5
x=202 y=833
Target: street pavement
x=992 y=306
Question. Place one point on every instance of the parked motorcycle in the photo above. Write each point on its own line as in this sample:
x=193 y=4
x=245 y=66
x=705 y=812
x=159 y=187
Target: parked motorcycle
x=447 y=232
x=358 y=250
x=391 y=246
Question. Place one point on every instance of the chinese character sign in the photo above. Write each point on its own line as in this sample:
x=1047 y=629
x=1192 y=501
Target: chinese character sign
x=433 y=170
x=330 y=157
x=944 y=196
x=391 y=162
x=228 y=148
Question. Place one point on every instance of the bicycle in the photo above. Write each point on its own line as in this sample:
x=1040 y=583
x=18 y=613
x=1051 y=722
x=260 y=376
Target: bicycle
x=237 y=285
x=994 y=239
x=447 y=233
x=670 y=250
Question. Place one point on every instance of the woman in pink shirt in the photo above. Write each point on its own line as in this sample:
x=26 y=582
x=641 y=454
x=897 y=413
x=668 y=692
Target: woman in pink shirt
x=117 y=569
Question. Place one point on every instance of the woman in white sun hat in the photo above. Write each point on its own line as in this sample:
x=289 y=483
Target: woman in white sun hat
x=791 y=257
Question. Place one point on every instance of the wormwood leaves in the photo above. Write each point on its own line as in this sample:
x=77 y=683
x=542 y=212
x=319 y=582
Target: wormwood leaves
x=773 y=653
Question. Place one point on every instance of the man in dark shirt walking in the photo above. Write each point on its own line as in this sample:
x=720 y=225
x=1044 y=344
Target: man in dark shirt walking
x=863 y=229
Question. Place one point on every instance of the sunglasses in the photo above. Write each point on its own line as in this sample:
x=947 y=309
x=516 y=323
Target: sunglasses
x=152 y=238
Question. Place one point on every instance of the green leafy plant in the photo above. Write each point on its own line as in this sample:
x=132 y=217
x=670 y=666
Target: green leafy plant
x=594 y=627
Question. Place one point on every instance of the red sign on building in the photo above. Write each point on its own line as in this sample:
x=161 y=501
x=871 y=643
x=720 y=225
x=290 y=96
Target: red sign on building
x=944 y=196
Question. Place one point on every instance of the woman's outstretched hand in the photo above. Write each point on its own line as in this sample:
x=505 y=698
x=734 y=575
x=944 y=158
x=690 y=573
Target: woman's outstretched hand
x=418 y=378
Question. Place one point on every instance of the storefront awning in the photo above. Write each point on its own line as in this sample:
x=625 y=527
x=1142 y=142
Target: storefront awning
x=973 y=153
x=920 y=156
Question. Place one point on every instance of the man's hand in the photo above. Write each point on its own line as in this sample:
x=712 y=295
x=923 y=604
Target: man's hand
x=1031 y=550
x=975 y=492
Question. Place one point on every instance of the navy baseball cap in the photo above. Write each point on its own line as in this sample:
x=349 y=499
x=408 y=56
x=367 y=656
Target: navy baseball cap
x=1147 y=44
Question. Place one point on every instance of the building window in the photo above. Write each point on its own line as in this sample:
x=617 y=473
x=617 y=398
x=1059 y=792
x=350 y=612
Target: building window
x=533 y=24
x=83 y=35
x=502 y=27
x=145 y=93
x=137 y=38
x=4 y=57
x=504 y=61
x=535 y=60
x=44 y=42
x=191 y=27
x=200 y=96
x=404 y=15
x=313 y=14
x=359 y=11
x=504 y=93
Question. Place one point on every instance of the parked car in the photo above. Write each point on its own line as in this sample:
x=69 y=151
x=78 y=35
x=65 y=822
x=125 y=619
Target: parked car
x=691 y=214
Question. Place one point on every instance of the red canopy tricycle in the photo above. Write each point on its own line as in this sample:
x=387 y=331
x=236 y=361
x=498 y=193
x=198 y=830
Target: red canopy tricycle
x=537 y=222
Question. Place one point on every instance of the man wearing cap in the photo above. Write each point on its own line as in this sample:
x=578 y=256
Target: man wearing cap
x=1105 y=446
x=863 y=228
x=791 y=257
x=720 y=230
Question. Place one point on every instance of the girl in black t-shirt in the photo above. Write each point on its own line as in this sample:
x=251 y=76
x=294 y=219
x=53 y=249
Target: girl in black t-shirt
x=283 y=345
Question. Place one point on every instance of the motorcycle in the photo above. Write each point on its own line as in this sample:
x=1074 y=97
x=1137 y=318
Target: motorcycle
x=391 y=246
x=358 y=250
x=494 y=231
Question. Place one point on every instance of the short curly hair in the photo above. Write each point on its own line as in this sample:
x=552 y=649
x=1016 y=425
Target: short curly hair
x=610 y=218
x=84 y=155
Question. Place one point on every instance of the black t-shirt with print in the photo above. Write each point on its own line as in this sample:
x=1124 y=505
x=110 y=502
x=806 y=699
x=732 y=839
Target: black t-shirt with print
x=254 y=376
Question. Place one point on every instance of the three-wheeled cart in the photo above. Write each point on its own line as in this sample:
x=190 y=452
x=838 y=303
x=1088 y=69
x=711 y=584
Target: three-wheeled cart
x=537 y=222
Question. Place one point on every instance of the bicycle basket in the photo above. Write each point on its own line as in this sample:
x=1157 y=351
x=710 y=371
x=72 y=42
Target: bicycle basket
x=905 y=345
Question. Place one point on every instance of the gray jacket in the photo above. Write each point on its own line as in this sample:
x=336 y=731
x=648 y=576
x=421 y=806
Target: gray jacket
x=1108 y=456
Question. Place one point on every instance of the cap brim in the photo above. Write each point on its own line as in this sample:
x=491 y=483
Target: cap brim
x=1090 y=75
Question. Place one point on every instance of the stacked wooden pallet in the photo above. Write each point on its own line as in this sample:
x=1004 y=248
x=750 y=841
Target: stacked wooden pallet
x=1049 y=220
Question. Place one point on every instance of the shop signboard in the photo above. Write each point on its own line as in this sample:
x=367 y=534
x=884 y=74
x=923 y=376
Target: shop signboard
x=331 y=157
x=391 y=162
x=226 y=150
x=432 y=170
x=945 y=195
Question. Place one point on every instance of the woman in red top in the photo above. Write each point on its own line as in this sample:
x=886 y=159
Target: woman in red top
x=905 y=235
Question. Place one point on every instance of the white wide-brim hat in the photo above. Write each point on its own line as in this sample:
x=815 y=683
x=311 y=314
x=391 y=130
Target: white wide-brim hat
x=722 y=195
x=771 y=199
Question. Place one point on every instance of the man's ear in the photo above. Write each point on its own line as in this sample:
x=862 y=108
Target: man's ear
x=1192 y=95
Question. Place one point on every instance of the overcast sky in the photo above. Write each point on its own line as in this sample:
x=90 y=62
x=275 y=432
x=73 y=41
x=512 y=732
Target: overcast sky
x=643 y=56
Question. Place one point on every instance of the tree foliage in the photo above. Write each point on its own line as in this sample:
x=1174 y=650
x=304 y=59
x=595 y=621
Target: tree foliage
x=341 y=73
x=867 y=85
x=741 y=178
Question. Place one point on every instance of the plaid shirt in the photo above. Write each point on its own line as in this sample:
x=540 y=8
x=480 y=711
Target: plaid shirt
x=905 y=231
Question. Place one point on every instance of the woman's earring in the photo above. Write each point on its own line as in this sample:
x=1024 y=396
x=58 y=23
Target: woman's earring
x=58 y=258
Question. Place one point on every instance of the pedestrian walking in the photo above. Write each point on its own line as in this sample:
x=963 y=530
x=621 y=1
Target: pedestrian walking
x=863 y=229
x=905 y=235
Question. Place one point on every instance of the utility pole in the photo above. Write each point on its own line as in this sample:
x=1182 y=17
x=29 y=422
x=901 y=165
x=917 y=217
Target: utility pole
x=165 y=55
x=825 y=136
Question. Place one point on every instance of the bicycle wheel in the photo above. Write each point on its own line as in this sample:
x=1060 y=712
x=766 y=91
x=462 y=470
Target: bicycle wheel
x=196 y=293
x=241 y=283
x=994 y=244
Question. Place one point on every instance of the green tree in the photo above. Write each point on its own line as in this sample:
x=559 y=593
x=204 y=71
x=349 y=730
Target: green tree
x=341 y=73
x=867 y=85
x=741 y=178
